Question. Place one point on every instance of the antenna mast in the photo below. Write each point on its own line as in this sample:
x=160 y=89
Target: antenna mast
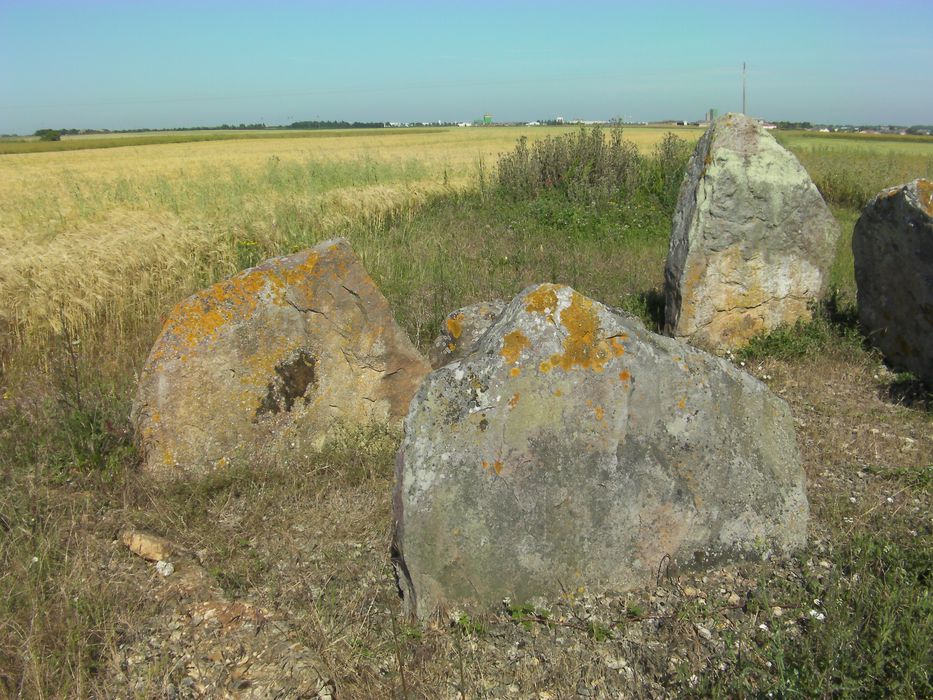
x=743 y=87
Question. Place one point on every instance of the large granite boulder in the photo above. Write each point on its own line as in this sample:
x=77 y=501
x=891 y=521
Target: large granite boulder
x=461 y=330
x=893 y=249
x=575 y=448
x=264 y=364
x=752 y=239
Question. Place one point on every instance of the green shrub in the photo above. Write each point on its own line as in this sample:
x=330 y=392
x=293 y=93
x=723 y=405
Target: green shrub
x=586 y=168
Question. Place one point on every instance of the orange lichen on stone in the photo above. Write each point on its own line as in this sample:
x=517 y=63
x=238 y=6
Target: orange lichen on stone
x=599 y=412
x=624 y=375
x=583 y=346
x=542 y=300
x=618 y=349
x=558 y=392
x=514 y=400
x=545 y=367
x=925 y=195
x=455 y=325
x=299 y=274
x=497 y=466
x=200 y=316
x=512 y=346
x=515 y=371
x=682 y=403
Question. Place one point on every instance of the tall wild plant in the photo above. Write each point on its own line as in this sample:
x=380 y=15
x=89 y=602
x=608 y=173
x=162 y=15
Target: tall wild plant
x=586 y=167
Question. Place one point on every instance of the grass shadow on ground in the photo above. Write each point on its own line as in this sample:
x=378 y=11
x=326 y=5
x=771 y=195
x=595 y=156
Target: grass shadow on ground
x=909 y=392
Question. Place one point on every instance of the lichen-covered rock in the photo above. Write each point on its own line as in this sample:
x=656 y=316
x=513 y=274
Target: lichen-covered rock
x=575 y=448
x=893 y=249
x=265 y=363
x=752 y=239
x=461 y=329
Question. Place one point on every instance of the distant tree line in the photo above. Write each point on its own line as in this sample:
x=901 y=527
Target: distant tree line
x=56 y=134
x=916 y=130
x=793 y=125
x=50 y=134
x=335 y=125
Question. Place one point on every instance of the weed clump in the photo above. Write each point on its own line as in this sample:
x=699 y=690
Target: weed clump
x=587 y=168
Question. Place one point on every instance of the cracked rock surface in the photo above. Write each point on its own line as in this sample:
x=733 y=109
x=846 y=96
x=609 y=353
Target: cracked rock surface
x=752 y=240
x=573 y=447
x=462 y=329
x=267 y=362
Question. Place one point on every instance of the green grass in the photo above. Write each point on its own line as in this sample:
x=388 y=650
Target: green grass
x=863 y=631
x=77 y=143
x=907 y=144
x=850 y=170
x=68 y=480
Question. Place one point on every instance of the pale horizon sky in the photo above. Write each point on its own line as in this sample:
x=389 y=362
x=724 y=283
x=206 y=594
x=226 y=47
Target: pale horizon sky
x=138 y=64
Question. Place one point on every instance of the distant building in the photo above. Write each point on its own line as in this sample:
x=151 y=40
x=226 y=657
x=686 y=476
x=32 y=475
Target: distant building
x=487 y=119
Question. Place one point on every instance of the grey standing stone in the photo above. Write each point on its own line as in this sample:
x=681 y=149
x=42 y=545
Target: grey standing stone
x=752 y=240
x=893 y=249
x=574 y=448
x=461 y=329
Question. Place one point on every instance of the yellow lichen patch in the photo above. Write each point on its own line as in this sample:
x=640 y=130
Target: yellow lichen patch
x=925 y=195
x=542 y=300
x=299 y=274
x=545 y=367
x=455 y=325
x=451 y=346
x=618 y=349
x=261 y=366
x=599 y=412
x=200 y=317
x=514 y=400
x=583 y=346
x=624 y=375
x=682 y=403
x=512 y=346
x=496 y=466
x=515 y=371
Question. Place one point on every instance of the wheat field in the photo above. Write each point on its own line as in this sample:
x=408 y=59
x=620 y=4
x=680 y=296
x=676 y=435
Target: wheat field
x=99 y=241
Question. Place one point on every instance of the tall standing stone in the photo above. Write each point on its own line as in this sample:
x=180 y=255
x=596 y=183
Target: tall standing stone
x=893 y=249
x=574 y=448
x=752 y=240
x=263 y=365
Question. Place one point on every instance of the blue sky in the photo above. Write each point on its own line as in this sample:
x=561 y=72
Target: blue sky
x=130 y=64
